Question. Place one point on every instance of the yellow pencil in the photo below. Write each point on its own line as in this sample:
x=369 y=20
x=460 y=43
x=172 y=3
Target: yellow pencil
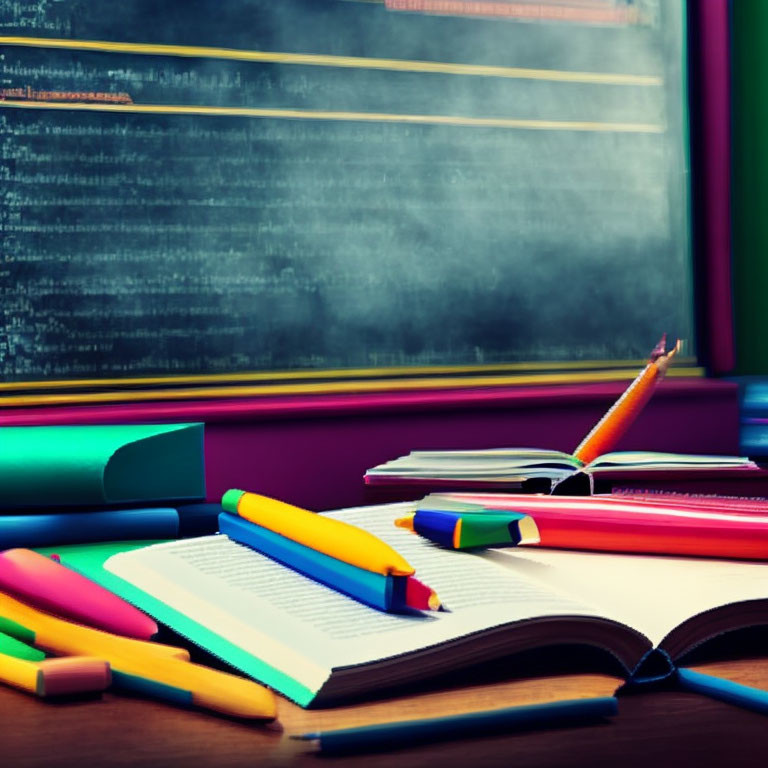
x=137 y=660
x=42 y=629
x=55 y=677
x=341 y=540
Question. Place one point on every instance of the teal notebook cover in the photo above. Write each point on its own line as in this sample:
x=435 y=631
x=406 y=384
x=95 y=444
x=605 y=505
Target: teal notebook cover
x=100 y=464
x=89 y=560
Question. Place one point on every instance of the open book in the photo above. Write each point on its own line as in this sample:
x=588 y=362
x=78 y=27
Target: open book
x=536 y=469
x=317 y=646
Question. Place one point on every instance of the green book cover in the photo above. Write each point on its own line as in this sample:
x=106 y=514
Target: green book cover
x=100 y=464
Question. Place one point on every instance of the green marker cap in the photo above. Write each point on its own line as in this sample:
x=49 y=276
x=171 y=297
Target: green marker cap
x=231 y=499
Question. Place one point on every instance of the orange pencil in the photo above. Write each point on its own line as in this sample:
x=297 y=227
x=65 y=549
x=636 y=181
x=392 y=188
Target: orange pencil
x=609 y=430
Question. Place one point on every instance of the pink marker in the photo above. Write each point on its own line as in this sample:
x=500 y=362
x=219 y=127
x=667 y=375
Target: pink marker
x=51 y=586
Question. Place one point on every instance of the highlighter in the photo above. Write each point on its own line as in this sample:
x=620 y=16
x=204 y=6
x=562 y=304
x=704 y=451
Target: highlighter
x=465 y=530
x=332 y=537
x=50 y=586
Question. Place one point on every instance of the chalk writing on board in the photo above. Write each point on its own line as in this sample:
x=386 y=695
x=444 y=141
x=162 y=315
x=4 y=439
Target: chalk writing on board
x=203 y=243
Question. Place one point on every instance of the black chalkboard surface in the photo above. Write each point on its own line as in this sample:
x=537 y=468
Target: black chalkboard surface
x=197 y=187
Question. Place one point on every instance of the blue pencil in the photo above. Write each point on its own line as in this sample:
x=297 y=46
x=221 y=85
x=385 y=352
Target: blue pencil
x=724 y=690
x=398 y=735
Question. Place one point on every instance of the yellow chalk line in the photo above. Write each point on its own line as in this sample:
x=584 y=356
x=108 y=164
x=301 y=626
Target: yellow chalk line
x=327 y=388
x=341 y=373
x=370 y=117
x=354 y=62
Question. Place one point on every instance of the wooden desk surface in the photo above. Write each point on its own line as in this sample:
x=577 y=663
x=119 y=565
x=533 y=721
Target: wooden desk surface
x=655 y=728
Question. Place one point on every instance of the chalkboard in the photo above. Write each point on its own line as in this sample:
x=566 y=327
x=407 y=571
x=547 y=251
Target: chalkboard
x=197 y=187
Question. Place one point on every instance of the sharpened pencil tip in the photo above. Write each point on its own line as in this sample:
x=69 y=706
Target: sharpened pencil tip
x=405 y=522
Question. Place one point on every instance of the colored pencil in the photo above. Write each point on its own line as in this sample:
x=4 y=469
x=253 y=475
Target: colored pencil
x=332 y=537
x=46 y=626
x=611 y=428
x=404 y=734
x=160 y=674
x=419 y=596
x=55 y=677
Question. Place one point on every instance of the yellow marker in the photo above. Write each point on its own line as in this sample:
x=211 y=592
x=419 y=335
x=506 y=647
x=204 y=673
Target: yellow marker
x=341 y=540
x=205 y=687
x=55 y=677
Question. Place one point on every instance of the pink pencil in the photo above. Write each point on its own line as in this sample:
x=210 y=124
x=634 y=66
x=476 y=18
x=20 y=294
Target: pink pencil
x=50 y=586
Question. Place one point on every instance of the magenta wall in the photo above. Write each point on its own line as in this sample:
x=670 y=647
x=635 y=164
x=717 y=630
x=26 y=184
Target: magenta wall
x=313 y=451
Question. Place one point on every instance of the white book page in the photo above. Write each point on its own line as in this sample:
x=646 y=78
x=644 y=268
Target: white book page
x=304 y=628
x=650 y=594
x=494 y=460
x=648 y=459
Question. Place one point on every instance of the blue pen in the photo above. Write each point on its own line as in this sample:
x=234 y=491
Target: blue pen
x=398 y=735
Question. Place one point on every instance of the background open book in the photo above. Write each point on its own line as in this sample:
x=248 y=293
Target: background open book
x=317 y=646
x=539 y=469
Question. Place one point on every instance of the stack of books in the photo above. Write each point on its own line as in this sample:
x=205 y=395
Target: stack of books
x=74 y=484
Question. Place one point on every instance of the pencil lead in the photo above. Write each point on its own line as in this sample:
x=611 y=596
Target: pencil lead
x=405 y=522
x=660 y=350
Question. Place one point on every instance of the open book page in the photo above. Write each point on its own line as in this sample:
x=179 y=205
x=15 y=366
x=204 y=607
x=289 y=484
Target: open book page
x=644 y=460
x=648 y=593
x=305 y=629
x=492 y=461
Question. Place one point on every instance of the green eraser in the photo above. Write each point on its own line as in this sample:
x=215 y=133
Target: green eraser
x=231 y=499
